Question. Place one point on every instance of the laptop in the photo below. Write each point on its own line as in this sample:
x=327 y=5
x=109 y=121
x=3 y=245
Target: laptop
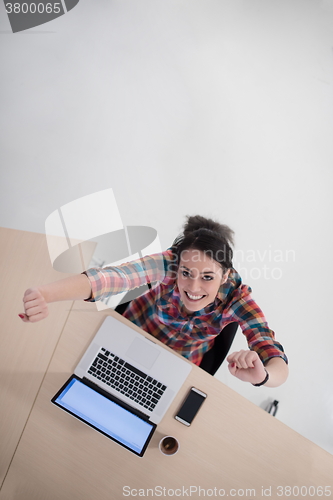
x=123 y=385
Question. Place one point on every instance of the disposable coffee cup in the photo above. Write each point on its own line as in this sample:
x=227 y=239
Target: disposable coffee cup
x=169 y=445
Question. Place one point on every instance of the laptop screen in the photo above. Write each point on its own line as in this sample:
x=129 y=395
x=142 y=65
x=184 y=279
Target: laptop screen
x=105 y=415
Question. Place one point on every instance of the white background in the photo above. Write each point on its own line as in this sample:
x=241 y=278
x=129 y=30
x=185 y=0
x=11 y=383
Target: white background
x=217 y=107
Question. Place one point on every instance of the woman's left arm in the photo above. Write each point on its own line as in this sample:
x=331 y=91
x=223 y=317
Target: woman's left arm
x=248 y=367
x=278 y=372
x=265 y=355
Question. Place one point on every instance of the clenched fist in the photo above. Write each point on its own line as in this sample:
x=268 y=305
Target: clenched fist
x=35 y=306
x=247 y=366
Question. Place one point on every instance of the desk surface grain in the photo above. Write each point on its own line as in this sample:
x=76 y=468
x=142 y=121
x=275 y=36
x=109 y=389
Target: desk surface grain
x=26 y=349
x=233 y=448
x=232 y=444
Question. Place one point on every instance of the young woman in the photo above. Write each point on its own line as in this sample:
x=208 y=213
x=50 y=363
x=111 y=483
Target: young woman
x=195 y=295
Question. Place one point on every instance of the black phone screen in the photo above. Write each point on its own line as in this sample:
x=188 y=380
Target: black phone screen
x=190 y=406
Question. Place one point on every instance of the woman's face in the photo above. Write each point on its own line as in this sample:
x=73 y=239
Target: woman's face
x=199 y=278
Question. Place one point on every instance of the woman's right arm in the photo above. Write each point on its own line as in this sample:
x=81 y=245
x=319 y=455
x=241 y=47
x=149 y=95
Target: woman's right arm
x=35 y=300
x=98 y=283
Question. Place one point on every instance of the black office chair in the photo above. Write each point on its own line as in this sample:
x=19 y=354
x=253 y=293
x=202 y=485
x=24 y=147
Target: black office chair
x=213 y=358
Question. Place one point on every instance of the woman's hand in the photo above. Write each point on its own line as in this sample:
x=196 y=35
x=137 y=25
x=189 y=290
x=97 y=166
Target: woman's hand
x=247 y=366
x=35 y=300
x=35 y=306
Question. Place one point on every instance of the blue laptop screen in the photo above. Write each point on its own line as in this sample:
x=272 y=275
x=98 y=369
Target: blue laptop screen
x=105 y=415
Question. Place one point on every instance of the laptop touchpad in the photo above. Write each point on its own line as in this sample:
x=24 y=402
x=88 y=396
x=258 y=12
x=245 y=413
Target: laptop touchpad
x=142 y=352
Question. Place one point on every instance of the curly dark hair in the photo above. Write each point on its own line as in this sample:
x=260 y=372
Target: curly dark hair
x=208 y=236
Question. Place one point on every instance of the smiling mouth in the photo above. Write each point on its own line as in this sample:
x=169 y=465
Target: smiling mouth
x=194 y=298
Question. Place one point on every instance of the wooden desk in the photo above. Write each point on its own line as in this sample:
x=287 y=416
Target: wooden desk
x=25 y=352
x=232 y=444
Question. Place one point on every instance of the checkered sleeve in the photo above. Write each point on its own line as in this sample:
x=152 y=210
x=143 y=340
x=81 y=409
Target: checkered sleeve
x=111 y=280
x=259 y=336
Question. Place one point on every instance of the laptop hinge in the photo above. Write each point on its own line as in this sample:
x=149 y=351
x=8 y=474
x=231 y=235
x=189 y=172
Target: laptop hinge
x=113 y=398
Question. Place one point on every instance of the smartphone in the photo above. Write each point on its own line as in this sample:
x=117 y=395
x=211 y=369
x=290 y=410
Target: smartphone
x=190 y=407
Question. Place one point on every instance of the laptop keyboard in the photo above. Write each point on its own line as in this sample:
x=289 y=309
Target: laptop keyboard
x=126 y=379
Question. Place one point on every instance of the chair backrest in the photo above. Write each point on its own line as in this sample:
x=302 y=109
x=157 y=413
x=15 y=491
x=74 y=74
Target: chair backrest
x=213 y=358
x=121 y=308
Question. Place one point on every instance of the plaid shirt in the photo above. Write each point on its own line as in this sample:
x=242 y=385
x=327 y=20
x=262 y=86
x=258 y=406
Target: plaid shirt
x=160 y=311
